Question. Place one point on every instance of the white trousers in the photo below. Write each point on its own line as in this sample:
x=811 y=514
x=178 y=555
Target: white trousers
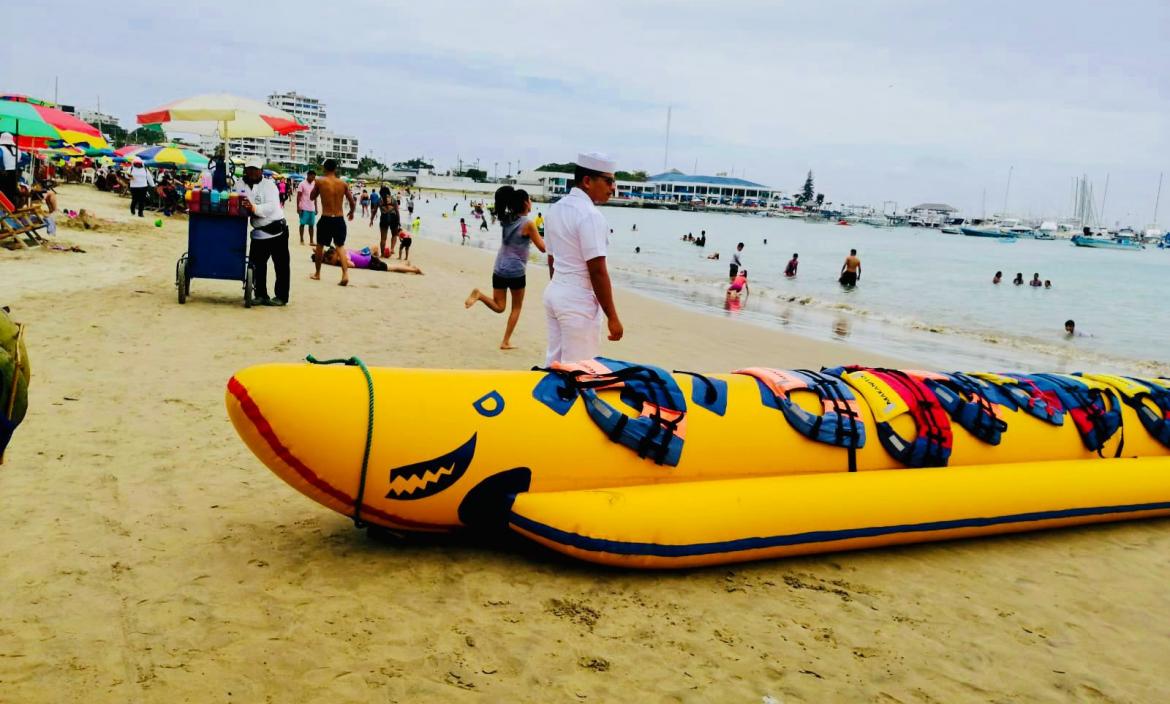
x=573 y=316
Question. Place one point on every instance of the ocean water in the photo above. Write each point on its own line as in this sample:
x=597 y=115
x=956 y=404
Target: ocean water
x=923 y=295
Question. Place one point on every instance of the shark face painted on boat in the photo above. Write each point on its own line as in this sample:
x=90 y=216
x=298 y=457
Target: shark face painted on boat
x=423 y=479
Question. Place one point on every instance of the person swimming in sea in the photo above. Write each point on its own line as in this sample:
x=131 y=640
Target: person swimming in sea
x=1036 y=282
x=998 y=277
x=1047 y=283
x=1019 y=280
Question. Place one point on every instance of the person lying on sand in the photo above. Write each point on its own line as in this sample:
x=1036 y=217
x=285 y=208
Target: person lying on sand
x=365 y=260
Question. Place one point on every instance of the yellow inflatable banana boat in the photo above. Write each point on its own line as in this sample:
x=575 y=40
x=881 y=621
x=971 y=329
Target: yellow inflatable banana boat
x=631 y=465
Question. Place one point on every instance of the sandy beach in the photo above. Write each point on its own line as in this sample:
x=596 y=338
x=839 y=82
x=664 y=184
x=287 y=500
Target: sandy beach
x=150 y=557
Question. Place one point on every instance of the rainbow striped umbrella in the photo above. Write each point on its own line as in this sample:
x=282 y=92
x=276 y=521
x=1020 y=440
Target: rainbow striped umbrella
x=37 y=125
x=172 y=155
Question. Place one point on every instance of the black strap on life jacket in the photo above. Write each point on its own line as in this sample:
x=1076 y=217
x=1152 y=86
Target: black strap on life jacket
x=969 y=407
x=653 y=435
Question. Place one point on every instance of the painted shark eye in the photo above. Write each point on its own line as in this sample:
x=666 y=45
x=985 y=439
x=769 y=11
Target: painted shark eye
x=423 y=479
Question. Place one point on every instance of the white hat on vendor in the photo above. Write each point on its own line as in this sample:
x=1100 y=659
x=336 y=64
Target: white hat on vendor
x=254 y=162
x=6 y=140
x=596 y=161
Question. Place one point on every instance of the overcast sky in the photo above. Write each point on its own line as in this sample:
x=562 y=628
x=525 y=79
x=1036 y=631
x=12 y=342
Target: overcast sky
x=903 y=101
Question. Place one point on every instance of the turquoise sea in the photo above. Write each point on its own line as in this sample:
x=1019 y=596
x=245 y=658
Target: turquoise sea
x=923 y=295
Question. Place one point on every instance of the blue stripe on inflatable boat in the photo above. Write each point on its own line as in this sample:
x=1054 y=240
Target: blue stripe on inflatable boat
x=619 y=547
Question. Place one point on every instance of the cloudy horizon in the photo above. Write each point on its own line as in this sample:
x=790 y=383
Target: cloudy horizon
x=903 y=101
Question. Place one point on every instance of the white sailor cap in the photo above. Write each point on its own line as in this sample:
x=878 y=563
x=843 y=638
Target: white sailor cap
x=596 y=161
x=254 y=162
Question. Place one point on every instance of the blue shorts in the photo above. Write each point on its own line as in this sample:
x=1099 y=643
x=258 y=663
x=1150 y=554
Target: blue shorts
x=309 y=217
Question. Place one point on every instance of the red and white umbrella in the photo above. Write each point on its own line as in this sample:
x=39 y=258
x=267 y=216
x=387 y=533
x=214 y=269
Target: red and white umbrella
x=228 y=116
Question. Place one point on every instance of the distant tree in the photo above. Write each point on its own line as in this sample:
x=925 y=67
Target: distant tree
x=808 y=193
x=370 y=165
x=563 y=168
x=413 y=164
x=475 y=174
x=631 y=175
x=820 y=199
x=147 y=134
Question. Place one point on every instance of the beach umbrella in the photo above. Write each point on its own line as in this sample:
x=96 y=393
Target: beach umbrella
x=172 y=155
x=228 y=116
x=36 y=125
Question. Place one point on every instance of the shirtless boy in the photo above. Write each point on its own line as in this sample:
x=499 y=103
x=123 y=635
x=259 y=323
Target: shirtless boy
x=851 y=270
x=331 y=226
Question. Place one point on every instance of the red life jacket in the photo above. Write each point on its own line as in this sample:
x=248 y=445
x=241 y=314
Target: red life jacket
x=892 y=393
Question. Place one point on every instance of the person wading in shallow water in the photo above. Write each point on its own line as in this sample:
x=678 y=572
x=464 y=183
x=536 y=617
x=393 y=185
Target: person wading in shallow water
x=851 y=270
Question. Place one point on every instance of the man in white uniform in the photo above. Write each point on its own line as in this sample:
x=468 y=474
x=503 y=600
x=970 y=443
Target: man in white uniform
x=577 y=237
x=269 y=232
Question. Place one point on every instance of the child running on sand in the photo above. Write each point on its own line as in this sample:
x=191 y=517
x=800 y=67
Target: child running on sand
x=510 y=269
x=463 y=230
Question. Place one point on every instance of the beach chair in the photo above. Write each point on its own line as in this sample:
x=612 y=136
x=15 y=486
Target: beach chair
x=19 y=226
x=88 y=175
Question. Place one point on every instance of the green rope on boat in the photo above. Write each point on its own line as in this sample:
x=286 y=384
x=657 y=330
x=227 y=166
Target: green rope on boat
x=356 y=362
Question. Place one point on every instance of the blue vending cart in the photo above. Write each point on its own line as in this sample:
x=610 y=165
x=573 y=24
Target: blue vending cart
x=217 y=248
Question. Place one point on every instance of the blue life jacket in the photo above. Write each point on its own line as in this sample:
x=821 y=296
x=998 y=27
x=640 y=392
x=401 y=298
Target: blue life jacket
x=839 y=423
x=1021 y=393
x=657 y=433
x=969 y=404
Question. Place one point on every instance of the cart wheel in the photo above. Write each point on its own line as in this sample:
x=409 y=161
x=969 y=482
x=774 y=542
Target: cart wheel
x=248 y=287
x=181 y=281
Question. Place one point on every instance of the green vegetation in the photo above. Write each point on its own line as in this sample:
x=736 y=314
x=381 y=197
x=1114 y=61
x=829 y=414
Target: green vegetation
x=808 y=193
x=413 y=164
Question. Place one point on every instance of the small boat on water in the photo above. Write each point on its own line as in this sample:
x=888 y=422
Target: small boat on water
x=1009 y=228
x=1118 y=242
x=992 y=232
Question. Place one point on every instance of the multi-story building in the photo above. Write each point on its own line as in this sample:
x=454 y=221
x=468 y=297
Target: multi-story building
x=301 y=147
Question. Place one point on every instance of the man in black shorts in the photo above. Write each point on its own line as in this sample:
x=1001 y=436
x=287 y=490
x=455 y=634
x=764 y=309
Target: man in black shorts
x=331 y=226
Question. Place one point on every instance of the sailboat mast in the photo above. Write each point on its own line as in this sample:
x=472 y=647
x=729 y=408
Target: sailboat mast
x=1007 y=190
x=1101 y=216
x=1157 y=199
x=666 y=156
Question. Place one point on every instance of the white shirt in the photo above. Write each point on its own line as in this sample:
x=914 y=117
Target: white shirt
x=9 y=158
x=736 y=260
x=140 y=177
x=265 y=199
x=575 y=231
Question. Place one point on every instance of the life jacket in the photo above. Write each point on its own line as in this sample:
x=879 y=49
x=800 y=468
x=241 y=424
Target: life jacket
x=1025 y=395
x=892 y=393
x=1096 y=419
x=839 y=423
x=657 y=433
x=968 y=402
x=1135 y=393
